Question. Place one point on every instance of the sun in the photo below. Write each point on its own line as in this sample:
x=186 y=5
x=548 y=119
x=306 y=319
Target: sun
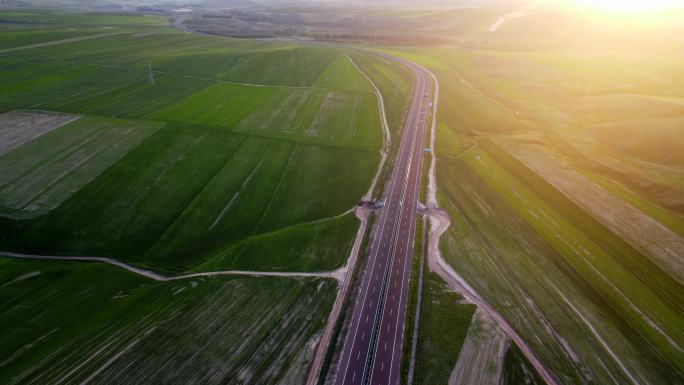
x=631 y=6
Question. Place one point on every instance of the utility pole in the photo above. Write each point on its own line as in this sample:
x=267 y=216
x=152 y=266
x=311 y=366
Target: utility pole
x=150 y=74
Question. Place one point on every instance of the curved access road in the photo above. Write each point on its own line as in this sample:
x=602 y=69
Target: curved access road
x=373 y=348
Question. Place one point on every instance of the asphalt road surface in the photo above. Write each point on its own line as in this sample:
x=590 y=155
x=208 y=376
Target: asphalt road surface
x=373 y=348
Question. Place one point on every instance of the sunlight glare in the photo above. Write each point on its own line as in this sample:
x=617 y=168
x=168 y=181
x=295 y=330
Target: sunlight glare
x=631 y=5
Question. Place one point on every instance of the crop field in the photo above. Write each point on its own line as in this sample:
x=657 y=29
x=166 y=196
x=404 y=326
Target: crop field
x=95 y=324
x=328 y=116
x=246 y=155
x=529 y=252
x=646 y=234
x=181 y=153
x=38 y=176
x=394 y=82
x=559 y=166
x=443 y=329
x=240 y=187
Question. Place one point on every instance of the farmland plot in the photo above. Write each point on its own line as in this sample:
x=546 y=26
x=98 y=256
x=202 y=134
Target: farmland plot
x=41 y=174
x=341 y=117
x=218 y=105
x=80 y=88
x=127 y=208
x=637 y=228
x=19 y=127
x=336 y=116
x=394 y=82
x=96 y=324
x=217 y=58
x=189 y=196
x=319 y=182
x=271 y=193
x=282 y=110
x=503 y=239
x=321 y=116
x=342 y=75
x=254 y=62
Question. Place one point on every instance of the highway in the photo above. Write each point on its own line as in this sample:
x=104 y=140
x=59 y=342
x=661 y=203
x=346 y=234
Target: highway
x=373 y=347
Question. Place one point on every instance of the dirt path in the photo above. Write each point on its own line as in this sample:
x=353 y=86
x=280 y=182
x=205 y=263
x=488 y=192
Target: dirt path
x=439 y=222
x=335 y=274
x=63 y=41
x=362 y=214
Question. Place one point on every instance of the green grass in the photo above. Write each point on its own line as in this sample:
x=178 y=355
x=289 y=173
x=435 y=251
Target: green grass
x=329 y=116
x=111 y=326
x=319 y=246
x=444 y=325
x=341 y=74
x=622 y=253
x=219 y=105
x=127 y=208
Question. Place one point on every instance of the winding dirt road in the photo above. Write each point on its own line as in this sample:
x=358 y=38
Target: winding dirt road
x=335 y=274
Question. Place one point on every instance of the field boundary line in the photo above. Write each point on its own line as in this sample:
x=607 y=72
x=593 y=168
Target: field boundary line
x=334 y=274
x=62 y=41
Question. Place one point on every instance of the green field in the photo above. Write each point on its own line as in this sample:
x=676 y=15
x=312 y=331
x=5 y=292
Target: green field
x=443 y=327
x=242 y=147
x=229 y=155
x=592 y=303
x=43 y=173
x=92 y=323
x=559 y=162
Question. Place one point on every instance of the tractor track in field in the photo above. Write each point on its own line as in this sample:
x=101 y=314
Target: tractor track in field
x=334 y=274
